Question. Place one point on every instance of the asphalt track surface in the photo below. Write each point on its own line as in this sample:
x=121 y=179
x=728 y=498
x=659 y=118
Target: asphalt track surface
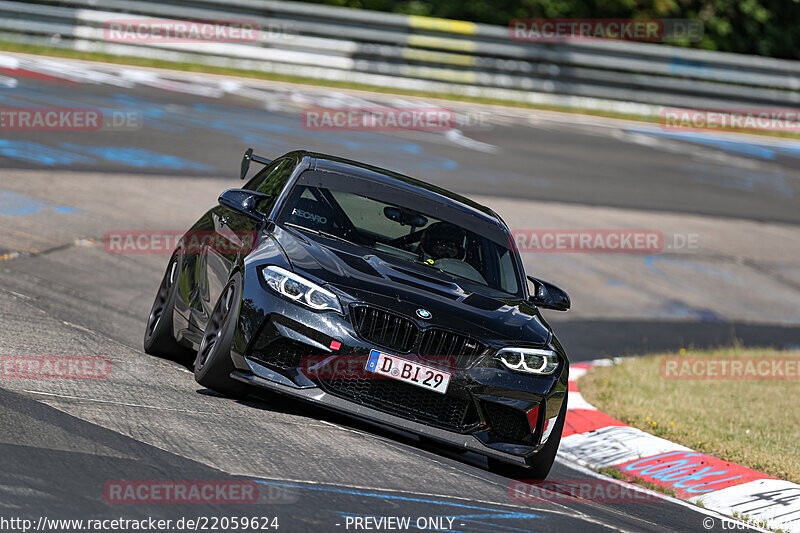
x=61 y=293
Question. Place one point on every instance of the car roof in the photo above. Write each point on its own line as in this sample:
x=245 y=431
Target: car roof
x=358 y=169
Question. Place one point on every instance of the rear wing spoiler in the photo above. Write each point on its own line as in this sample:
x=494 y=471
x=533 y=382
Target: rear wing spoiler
x=248 y=156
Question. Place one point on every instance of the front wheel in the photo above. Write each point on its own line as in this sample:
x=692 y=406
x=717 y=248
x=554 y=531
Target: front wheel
x=213 y=365
x=540 y=464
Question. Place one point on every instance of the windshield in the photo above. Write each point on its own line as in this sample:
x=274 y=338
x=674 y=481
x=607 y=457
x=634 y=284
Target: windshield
x=406 y=225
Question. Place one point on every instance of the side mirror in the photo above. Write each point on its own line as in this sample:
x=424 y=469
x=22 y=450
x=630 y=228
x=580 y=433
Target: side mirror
x=548 y=296
x=244 y=201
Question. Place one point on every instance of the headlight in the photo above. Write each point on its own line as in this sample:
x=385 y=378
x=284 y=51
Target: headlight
x=529 y=360
x=300 y=289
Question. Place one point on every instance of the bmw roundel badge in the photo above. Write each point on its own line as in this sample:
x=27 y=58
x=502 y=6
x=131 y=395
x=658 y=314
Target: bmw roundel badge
x=424 y=314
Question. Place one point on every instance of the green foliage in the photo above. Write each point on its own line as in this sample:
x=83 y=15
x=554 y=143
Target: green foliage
x=762 y=27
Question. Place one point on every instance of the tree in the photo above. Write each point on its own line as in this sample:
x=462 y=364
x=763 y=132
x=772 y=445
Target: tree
x=762 y=27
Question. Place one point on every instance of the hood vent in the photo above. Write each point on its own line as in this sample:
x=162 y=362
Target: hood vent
x=357 y=263
x=483 y=302
x=424 y=287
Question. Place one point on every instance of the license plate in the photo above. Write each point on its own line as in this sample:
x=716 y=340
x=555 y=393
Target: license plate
x=408 y=371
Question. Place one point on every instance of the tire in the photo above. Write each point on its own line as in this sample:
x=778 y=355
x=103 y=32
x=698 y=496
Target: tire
x=158 y=334
x=213 y=364
x=540 y=464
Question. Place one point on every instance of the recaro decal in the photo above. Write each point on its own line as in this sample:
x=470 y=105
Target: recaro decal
x=310 y=216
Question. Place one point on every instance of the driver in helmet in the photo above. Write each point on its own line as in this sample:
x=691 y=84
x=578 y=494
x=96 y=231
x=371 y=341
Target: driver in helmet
x=442 y=240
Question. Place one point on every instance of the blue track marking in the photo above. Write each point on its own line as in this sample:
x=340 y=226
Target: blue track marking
x=137 y=157
x=237 y=122
x=742 y=146
x=741 y=179
x=16 y=204
x=31 y=152
x=279 y=131
x=650 y=260
x=470 y=516
x=680 y=309
x=70 y=154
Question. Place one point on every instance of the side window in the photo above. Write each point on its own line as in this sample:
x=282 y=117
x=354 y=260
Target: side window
x=277 y=178
x=255 y=181
x=309 y=212
x=508 y=274
x=271 y=181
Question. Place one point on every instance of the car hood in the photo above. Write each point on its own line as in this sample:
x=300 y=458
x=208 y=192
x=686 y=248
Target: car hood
x=360 y=275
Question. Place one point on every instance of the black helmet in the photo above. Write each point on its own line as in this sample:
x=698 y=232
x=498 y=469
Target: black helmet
x=443 y=240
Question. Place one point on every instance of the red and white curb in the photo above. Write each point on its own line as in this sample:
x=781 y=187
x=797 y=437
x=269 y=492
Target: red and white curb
x=594 y=439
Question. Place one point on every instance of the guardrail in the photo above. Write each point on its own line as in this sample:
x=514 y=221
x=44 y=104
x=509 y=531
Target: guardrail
x=424 y=54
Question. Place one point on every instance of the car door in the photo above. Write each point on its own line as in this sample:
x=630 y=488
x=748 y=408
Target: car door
x=235 y=234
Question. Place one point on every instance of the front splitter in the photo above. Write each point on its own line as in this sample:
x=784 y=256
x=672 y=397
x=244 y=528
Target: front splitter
x=318 y=397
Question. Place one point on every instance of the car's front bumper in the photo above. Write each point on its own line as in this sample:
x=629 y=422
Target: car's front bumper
x=315 y=395
x=269 y=319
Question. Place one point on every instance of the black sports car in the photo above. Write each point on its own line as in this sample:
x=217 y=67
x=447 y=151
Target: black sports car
x=373 y=294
